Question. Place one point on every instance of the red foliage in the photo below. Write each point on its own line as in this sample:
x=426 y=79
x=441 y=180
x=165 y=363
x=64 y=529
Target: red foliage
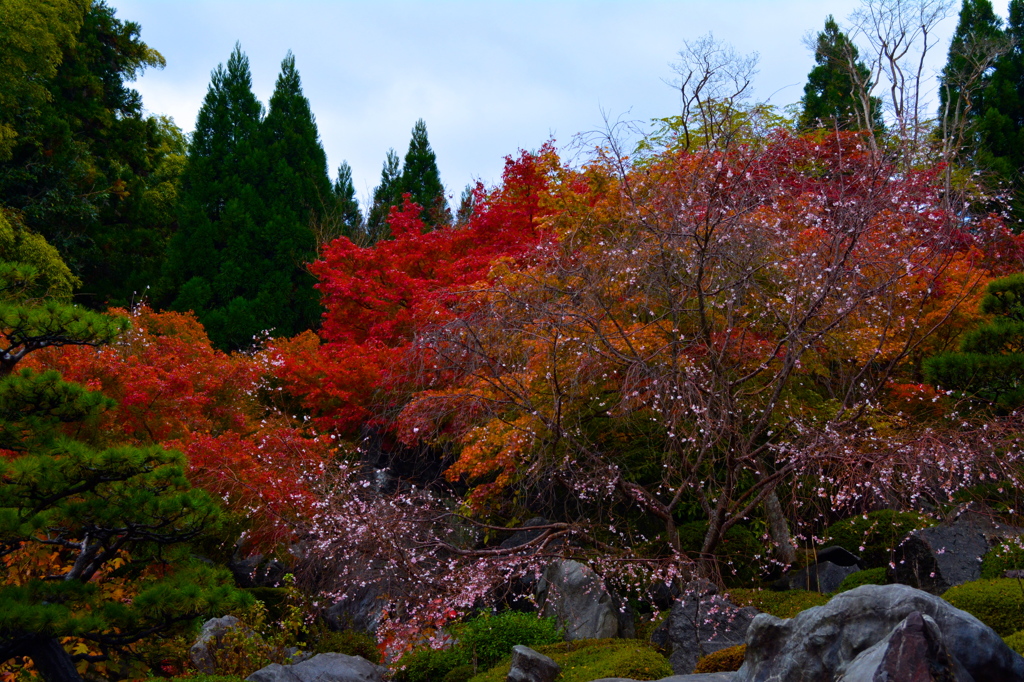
x=173 y=388
x=378 y=298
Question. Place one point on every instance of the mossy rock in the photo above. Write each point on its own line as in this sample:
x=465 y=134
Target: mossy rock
x=1004 y=557
x=735 y=552
x=590 y=659
x=998 y=603
x=1016 y=642
x=872 y=576
x=781 y=604
x=879 y=533
x=722 y=661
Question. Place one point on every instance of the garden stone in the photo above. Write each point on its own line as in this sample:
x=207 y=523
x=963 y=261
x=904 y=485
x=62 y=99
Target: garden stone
x=361 y=609
x=823 y=577
x=576 y=597
x=254 y=571
x=840 y=556
x=322 y=668
x=521 y=537
x=821 y=643
x=938 y=558
x=531 y=666
x=699 y=677
x=701 y=622
x=202 y=654
x=913 y=652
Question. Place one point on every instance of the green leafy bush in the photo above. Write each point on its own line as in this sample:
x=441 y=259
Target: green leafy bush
x=591 y=659
x=430 y=665
x=735 y=553
x=782 y=604
x=488 y=639
x=348 y=642
x=460 y=674
x=723 y=661
x=872 y=576
x=879 y=533
x=1016 y=642
x=998 y=603
x=1001 y=558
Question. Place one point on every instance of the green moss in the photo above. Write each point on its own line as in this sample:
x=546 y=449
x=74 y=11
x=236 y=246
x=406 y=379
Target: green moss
x=591 y=659
x=1016 y=642
x=998 y=604
x=879 y=533
x=782 y=604
x=460 y=674
x=348 y=642
x=430 y=665
x=872 y=576
x=1001 y=558
x=487 y=639
x=723 y=661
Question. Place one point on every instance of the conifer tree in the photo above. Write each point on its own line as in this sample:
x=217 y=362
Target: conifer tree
x=978 y=39
x=421 y=179
x=69 y=508
x=386 y=194
x=832 y=95
x=349 y=215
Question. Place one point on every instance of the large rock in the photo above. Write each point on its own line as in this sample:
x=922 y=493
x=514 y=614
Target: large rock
x=701 y=622
x=937 y=558
x=203 y=653
x=360 y=609
x=322 y=668
x=823 y=576
x=699 y=677
x=878 y=623
x=576 y=597
x=257 y=571
x=531 y=666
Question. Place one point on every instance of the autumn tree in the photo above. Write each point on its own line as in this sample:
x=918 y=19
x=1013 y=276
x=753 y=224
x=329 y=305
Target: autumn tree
x=71 y=511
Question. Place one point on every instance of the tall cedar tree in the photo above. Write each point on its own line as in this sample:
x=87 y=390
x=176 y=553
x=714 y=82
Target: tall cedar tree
x=87 y=169
x=831 y=96
x=248 y=196
x=1000 y=122
x=70 y=510
x=422 y=181
x=347 y=206
x=978 y=32
x=385 y=195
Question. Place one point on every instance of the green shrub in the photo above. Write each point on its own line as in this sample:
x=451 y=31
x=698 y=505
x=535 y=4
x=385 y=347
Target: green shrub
x=488 y=639
x=722 y=661
x=872 y=576
x=348 y=642
x=275 y=599
x=460 y=674
x=782 y=604
x=1001 y=558
x=998 y=603
x=879 y=533
x=591 y=659
x=430 y=665
x=1016 y=642
x=735 y=552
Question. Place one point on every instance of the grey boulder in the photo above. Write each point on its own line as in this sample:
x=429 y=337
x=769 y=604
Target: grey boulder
x=701 y=622
x=576 y=597
x=699 y=677
x=823 y=576
x=322 y=668
x=937 y=558
x=203 y=653
x=879 y=623
x=531 y=666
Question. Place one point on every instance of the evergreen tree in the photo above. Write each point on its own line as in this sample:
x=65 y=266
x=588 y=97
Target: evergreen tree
x=1000 y=119
x=385 y=195
x=421 y=179
x=69 y=508
x=86 y=168
x=467 y=203
x=977 y=40
x=250 y=194
x=349 y=215
x=834 y=86
x=989 y=368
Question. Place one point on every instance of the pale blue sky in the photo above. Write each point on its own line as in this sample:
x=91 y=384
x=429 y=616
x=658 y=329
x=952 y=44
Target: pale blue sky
x=488 y=77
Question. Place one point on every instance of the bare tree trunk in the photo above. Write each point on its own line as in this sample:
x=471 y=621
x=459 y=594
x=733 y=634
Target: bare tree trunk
x=778 y=527
x=51 y=660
